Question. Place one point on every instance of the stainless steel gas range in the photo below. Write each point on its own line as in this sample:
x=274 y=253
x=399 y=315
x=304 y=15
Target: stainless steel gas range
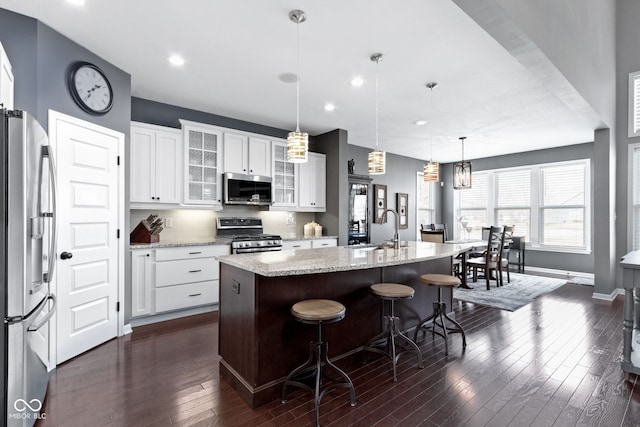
x=245 y=235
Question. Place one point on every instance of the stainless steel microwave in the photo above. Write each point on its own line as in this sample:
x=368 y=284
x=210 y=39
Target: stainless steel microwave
x=240 y=189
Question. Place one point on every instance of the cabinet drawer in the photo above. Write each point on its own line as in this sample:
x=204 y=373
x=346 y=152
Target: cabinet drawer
x=296 y=244
x=186 y=271
x=190 y=252
x=185 y=296
x=324 y=243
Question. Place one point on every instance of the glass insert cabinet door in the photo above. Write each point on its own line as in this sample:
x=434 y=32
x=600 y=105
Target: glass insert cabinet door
x=203 y=173
x=284 y=177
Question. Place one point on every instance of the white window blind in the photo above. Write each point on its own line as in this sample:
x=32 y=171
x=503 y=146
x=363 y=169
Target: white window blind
x=513 y=200
x=562 y=205
x=634 y=104
x=472 y=210
x=635 y=198
x=425 y=203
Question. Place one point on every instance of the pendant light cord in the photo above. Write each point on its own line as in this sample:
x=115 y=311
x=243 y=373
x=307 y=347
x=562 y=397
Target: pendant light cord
x=377 y=96
x=298 y=77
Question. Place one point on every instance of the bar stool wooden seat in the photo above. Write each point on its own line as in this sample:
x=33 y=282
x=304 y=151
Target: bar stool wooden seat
x=385 y=342
x=317 y=312
x=439 y=315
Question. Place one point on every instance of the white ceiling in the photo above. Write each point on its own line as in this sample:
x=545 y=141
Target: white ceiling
x=237 y=51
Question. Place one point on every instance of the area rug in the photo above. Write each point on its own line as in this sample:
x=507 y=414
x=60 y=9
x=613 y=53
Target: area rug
x=522 y=290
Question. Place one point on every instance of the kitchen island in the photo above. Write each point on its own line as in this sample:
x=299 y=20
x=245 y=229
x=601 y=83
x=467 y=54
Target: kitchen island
x=260 y=342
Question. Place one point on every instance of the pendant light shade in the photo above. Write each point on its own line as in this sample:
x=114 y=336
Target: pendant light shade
x=462 y=171
x=431 y=172
x=377 y=158
x=297 y=142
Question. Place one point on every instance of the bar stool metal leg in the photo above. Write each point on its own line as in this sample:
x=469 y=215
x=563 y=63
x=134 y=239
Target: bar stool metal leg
x=439 y=318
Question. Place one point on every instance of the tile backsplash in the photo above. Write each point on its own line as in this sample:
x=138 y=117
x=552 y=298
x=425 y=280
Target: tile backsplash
x=190 y=225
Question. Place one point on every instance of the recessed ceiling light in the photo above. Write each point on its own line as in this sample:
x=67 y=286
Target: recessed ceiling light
x=329 y=107
x=76 y=2
x=176 y=60
x=357 y=81
x=419 y=122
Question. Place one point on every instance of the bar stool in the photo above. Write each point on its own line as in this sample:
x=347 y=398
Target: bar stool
x=317 y=312
x=387 y=345
x=439 y=314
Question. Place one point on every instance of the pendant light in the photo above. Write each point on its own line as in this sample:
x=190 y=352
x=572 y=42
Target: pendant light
x=462 y=171
x=297 y=142
x=377 y=158
x=432 y=169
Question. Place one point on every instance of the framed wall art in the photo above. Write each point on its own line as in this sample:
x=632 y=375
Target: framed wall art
x=379 y=201
x=402 y=207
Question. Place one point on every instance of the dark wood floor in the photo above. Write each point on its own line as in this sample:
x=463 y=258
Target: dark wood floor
x=555 y=362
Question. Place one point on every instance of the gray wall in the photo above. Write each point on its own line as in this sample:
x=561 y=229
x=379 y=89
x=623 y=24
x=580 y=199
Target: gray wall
x=40 y=58
x=555 y=260
x=400 y=177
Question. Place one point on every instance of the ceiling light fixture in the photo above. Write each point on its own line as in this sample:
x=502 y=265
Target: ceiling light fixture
x=462 y=171
x=377 y=158
x=176 y=60
x=329 y=107
x=431 y=170
x=297 y=142
x=357 y=82
x=76 y=2
x=420 y=122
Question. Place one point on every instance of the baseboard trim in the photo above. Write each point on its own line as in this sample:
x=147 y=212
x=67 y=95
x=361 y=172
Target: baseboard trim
x=141 y=321
x=561 y=274
x=127 y=329
x=608 y=297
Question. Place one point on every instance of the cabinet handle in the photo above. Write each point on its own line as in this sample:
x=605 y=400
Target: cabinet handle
x=195 y=253
x=195 y=271
x=153 y=198
x=297 y=246
x=195 y=295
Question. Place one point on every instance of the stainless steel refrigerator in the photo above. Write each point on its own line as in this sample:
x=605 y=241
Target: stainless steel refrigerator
x=27 y=258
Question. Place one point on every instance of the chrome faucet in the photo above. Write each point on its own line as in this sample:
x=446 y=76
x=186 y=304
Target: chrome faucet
x=383 y=218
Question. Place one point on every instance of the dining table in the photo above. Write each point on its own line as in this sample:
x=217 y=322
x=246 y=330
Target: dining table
x=471 y=246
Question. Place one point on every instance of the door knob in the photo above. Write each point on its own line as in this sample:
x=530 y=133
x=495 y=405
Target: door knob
x=66 y=255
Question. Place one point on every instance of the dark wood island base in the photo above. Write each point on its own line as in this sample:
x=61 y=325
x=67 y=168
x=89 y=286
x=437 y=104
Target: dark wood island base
x=261 y=342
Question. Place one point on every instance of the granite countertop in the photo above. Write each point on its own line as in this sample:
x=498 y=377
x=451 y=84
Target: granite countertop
x=340 y=258
x=175 y=244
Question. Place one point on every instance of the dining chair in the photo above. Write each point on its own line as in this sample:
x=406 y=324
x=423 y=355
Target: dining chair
x=507 y=242
x=434 y=236
x=491 y=259
x=438 y=227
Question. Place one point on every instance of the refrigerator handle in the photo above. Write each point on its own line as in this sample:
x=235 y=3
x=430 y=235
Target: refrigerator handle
x=47 y=317
x=53 y=243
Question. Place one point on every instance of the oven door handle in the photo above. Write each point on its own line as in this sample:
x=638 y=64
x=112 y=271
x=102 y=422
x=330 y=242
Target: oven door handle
x=260 y=249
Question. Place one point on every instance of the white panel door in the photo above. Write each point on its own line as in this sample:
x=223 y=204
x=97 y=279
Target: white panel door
x=142 y=165
x=168 y=174
x=260 y=156
x=236 y=153
x=88 y=204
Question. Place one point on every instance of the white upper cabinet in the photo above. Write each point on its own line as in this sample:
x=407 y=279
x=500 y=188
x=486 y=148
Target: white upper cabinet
x=203 y=172
x=312 y=184
x=247 y=155
x=6 y=80
x=155 y=165
x=283 y=174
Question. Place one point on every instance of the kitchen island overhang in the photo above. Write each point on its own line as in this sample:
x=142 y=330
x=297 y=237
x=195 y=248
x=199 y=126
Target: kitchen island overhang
x=260 y=342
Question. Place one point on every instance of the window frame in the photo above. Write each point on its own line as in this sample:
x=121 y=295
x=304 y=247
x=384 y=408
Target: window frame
x=536 y=207
x=432 y=204
x=630 y=188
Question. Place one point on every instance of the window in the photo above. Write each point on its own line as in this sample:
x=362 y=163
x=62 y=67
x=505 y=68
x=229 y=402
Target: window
x=634 y=191
x=634 y=104
x=562 y=206
x=472 y=212
x=548 y=204
x=513 y=200
x=425 y=204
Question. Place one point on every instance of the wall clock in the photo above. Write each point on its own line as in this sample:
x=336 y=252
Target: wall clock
x=90 y=88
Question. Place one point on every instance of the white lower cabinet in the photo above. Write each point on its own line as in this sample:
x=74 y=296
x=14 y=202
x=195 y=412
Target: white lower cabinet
x=324 y=243
x=167 y=279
